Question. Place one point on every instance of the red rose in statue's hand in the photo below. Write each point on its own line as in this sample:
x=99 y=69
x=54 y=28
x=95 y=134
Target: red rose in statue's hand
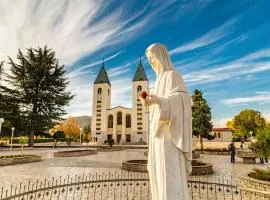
x=144 y=95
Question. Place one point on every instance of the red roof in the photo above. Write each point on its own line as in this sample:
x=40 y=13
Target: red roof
x=220 y=129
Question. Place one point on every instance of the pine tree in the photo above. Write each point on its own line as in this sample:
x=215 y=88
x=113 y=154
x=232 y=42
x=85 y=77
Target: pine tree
x=201 y=117
x=39 y=84
x=9 y=109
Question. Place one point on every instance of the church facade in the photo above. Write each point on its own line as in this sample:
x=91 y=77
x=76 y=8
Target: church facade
x=124 y=125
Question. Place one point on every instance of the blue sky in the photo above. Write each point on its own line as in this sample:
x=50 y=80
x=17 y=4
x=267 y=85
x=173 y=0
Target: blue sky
x=221 y=47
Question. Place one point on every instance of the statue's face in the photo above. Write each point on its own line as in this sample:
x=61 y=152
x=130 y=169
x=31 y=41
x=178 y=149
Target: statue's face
x=152 y=59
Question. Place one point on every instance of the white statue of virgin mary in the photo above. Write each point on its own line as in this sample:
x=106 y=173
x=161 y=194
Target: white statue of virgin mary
x=170 y=137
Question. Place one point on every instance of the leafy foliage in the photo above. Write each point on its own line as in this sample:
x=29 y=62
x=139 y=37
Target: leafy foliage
x=246 y=121
x=71 y=128
x=262 y=142
x=260 y=174
x=201 y=117
x=110 y=142
x=38 y=85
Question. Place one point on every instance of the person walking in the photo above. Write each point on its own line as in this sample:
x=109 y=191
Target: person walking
x=232 y=150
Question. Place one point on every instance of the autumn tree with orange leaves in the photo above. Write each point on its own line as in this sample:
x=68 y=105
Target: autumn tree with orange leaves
x=71 y=128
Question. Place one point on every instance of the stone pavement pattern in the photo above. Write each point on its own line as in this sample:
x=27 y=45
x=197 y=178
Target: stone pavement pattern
x=102 y=162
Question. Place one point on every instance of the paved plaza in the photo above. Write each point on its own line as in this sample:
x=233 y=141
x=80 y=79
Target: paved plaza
x=51 y=166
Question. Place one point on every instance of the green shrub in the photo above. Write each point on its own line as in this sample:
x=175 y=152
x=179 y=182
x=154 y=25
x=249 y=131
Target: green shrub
x=109 y=142
x=260 y=174
x=214 y=150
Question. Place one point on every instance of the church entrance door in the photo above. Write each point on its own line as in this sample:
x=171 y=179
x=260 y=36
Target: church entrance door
x=109 y=137
x=118 y=138
x=128 y=138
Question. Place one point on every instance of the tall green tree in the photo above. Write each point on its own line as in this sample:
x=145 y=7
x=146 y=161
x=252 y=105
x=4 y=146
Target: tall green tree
x=245 y=122
x=201 y=117
x=9 y=109
x=39 y=84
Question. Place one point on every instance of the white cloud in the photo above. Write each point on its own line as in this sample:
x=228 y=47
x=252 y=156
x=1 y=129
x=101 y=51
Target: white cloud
x=246 y=65
x=258 y=98
x=75 y=29
x=207 y=39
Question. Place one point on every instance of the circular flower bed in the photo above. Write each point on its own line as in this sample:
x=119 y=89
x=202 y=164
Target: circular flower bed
x=74 y=153
x=135 y=165
x=256 y=183
x=18 y=159
x=201 y=168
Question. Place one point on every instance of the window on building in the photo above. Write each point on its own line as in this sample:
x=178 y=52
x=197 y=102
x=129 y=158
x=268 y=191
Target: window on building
x=119 y=118
x=108 y=91
x=219 y=135
x=215 y=134
x=128 y=121
x=97 y=133
x=139 y=88
x=99 y=91
x=110 y=121
x=98 y=128
x=139 y=132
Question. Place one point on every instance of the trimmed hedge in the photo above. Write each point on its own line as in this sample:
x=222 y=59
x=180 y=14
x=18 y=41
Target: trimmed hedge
x=39 y=140
x=18 y=156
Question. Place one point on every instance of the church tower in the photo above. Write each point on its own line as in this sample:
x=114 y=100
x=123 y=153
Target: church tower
x=140 y=118
x=101 y=102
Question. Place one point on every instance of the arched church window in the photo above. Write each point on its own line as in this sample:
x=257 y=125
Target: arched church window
x=139 y=88
x=110 y=121
x=119 y=118
x=99 y=91
x=128 y=121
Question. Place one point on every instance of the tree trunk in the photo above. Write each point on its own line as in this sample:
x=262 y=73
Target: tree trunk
x=31 y=139
x=201 y=142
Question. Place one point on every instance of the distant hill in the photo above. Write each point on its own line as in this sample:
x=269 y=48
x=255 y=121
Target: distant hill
x=84 y=120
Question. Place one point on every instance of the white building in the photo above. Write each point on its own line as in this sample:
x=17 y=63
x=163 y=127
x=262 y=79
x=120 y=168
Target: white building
x=122 y=124
x=221 y=135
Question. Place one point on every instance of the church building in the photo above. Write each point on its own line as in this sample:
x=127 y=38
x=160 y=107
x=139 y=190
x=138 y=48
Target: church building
x=124 y=125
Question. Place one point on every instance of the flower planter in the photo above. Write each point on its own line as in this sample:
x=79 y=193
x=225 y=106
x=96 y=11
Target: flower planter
x=248 y=156
x=251 y=187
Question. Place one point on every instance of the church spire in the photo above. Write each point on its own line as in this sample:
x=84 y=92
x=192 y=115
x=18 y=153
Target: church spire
x=102 y=75
x=140 y=73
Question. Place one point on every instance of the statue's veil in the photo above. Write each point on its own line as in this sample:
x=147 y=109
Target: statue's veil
x=161 y=53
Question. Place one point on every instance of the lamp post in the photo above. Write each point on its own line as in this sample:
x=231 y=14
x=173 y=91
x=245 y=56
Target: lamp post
x=1 y=122
x=81 y=135
x=12 y=133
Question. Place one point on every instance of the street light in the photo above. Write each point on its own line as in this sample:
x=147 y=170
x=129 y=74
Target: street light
x=81 y=135
x=250 y=133
x=1 y=122
x=12 y=133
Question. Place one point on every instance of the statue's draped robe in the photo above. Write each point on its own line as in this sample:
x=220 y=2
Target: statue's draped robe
x=170 y=139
